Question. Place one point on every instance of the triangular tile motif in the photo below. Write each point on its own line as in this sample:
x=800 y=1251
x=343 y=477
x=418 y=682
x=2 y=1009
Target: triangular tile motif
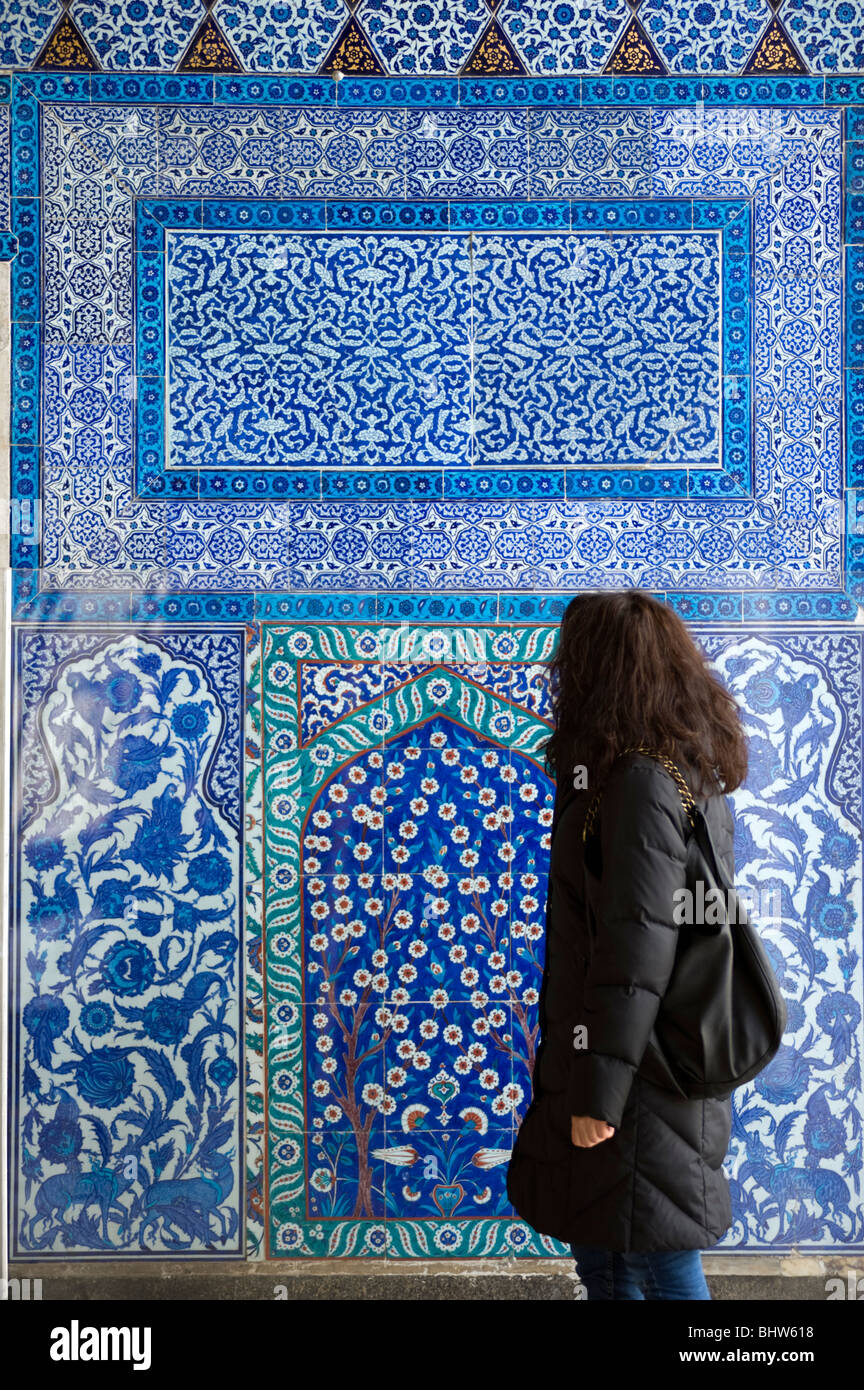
x=494 y=5
x=209 y=50
x=352 y=53
x=66 y=47
x=494 y=56
x=635 y=54
x=775 y=53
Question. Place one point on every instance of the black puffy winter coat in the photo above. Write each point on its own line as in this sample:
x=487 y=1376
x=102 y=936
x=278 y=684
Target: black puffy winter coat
x=658 y=1183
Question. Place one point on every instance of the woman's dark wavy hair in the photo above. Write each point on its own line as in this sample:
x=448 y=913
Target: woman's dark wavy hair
x=625 y=671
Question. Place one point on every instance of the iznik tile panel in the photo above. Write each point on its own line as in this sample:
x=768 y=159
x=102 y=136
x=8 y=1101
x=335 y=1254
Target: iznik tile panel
x=428 y=39
x=388 y=350
x=577 y=332
x=253 y=984
x=407 y=832
x=717 y=497
x=433 y=39
x=599 y=351
x=405 y=855
x=128 y=970
x=333 y=350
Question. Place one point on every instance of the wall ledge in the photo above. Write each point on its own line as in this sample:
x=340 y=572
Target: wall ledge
x=746 y=1277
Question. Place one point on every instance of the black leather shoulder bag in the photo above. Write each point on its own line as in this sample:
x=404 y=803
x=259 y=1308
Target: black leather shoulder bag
x=722 y=1017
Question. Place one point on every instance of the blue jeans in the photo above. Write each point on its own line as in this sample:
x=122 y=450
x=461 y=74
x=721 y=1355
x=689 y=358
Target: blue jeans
x=653 y=1275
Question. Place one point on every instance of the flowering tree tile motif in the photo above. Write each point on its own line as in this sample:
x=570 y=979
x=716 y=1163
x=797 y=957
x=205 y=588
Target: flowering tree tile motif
x=406 y=858
x=407 y=832
x=126 y=945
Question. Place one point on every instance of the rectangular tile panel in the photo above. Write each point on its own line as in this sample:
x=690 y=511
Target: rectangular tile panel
x=127 y=972
x=406 y=853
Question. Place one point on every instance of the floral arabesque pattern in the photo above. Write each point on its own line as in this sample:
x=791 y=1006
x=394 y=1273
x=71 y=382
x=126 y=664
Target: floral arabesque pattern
x=130 y=979
x=417 y=1146
x=794 y=1158
x=423 y=869
x=715 y=542
x=427 y=1169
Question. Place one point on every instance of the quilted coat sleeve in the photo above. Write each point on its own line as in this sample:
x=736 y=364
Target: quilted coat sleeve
x=643 y=829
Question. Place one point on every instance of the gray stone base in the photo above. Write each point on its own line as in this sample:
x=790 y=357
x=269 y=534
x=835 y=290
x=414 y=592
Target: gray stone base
x=747 y=1278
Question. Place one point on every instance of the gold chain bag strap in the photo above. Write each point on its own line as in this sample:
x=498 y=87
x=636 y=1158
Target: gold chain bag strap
x=671 y=767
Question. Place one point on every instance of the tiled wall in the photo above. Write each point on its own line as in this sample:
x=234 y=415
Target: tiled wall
x=348 y=343
x=438 y=37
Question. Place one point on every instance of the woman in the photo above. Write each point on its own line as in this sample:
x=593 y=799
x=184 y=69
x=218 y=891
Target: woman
x=611 y=1157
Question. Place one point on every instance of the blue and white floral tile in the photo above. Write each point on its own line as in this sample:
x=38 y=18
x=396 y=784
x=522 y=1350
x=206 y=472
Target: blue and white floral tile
x=530 y=545
x=797 y=299
x=142 y=35
x=279 y=37
x=829 y=33
x=423 y=36
x=198 y=156
x=714 y=36
x=136 y=151
x=466 y=154
x=24 y=27
x=128 y=1134
x=696 y=149
x=277 y=152
x=373 y=542
x=200 y=152
x=795 y=1183
x=583 y=153
x=87 y=467
x=547 y=319
x=88 y=250
x=563 y=37
x=352 y=154
x=407 y=401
